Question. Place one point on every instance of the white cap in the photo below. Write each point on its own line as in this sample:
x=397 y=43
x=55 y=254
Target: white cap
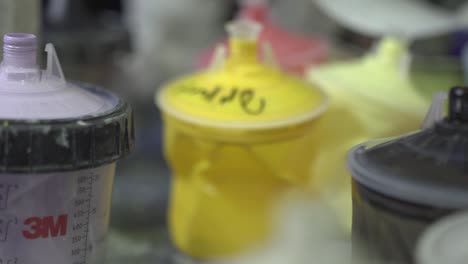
x=445 y=242
x=28 y=93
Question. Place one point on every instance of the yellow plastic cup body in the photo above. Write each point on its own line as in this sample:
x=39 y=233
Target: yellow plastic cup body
x=224 y=189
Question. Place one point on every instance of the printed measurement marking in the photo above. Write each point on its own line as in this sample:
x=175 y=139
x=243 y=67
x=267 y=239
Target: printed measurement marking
x=82 y=216
x=5 y=191
x=5 y=223
x=249 y=102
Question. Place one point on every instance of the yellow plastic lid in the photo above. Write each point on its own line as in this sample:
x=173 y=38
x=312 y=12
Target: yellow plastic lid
x=381 y=76
x=240 y=92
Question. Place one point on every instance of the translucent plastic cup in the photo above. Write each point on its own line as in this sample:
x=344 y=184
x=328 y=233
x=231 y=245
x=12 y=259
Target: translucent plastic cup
x=59 y=143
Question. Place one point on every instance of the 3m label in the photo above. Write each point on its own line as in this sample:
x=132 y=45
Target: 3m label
x=55 y=218
x=45 y=227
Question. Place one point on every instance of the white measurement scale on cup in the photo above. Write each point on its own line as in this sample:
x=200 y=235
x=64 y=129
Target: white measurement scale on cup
x=58 y=147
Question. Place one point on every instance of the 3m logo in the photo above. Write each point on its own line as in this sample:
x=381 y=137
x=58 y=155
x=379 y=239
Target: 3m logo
x=45 y=227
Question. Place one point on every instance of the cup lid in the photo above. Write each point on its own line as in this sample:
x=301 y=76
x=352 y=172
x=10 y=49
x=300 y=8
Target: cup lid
x=48 y=124
x=445 y=241
x=426 y=167
x=381 y=77
x=241 y=92
x=27 y=92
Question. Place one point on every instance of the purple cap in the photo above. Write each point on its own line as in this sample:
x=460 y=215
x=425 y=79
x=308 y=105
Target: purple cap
x=19 y=50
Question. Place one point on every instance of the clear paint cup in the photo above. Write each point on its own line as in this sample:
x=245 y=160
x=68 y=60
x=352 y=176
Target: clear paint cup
x=59 y=142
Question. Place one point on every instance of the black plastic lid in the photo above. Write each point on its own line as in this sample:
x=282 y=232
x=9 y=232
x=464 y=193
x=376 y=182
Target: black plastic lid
x=40 y=146
x=429 y=167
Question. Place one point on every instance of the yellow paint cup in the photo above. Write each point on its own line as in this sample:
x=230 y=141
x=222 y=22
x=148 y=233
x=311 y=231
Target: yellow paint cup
x=372 y=97
x=236 y=137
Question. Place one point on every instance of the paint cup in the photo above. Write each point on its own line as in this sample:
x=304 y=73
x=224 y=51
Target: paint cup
x=402 y=185
x=236 y=137
x=364 y=94
x=59 y=142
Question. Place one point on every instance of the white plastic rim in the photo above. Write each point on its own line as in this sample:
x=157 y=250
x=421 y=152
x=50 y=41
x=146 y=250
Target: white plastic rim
x=445 y=242
x=55 y=218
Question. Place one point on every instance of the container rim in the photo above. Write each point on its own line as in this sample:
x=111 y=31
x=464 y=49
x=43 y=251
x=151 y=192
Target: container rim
x=58 y=145
x=265 y=125
x=406 y=190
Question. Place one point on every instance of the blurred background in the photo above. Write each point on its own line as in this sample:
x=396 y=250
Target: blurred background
x=132 y=47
